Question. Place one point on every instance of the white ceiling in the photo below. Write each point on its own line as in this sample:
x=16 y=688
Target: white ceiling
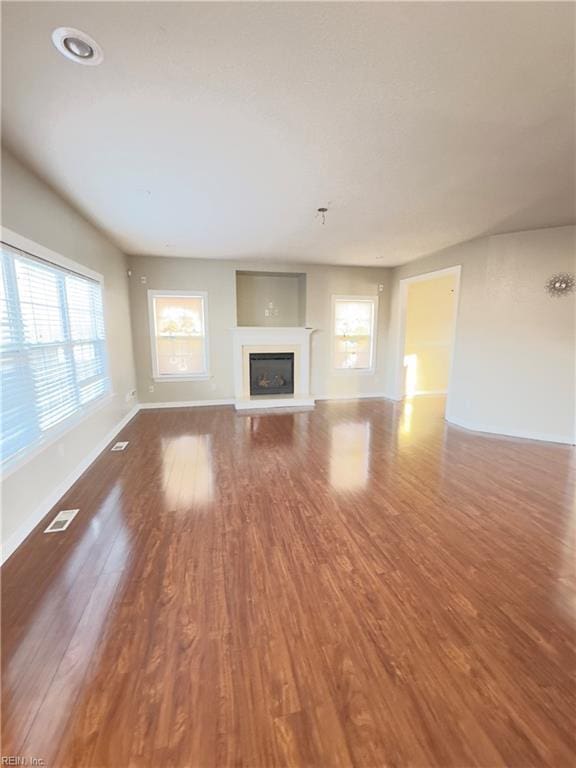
x=217 y=129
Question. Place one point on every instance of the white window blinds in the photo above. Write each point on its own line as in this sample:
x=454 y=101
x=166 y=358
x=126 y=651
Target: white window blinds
x=53 y=348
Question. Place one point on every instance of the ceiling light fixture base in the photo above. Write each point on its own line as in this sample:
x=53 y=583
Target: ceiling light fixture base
x=77 y=46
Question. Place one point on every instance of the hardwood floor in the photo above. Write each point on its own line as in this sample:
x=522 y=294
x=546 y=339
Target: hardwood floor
x=360 y=584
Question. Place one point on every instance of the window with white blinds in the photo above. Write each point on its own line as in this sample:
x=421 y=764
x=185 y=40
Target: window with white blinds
x=53 y=348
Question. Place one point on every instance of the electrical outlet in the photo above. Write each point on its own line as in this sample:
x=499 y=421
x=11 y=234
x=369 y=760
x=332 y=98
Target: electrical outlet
x=143 y=279
x=151 y=388
x=380 y=287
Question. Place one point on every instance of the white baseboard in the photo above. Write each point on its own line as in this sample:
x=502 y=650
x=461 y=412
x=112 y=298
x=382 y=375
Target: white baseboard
x=371 y=396
x=281 y=402
x=186 y=404
x=518 y=433
x=14 y=541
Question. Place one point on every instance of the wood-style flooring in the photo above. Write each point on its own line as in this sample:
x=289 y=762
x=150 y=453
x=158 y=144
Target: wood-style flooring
x=356 y=585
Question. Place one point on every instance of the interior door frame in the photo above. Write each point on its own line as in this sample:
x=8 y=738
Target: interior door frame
x=401 y=338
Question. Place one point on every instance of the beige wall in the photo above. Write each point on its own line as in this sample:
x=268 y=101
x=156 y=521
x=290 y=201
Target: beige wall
x=514 y=358
x=34 y=211
x=218 y=278
x=255 y=292
x=429 y=327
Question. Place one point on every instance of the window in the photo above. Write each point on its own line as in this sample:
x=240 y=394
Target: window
x=354 y=323
x=178 y=328
x=53 y=348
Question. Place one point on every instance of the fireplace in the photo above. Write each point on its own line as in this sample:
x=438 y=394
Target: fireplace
x=271 y=373
x=293 y=390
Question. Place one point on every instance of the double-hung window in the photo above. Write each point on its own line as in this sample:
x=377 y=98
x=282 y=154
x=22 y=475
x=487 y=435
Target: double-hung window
x=178 y=334
x=53 y=349
x=354 y=332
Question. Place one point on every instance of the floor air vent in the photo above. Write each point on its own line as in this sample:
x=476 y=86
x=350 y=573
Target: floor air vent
x=119 y=446
x=62 y=521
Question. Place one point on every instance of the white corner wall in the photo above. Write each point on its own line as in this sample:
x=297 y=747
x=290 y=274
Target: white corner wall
x=515 y=353
x=31 y=209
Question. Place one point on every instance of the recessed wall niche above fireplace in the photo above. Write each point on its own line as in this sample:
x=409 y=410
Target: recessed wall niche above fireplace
x=271 y=373
x=271 y=299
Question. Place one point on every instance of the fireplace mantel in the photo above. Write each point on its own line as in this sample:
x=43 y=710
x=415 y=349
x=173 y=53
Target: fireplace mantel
x=247 y=339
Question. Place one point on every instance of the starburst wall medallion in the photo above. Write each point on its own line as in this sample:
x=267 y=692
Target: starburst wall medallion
x=561 y=284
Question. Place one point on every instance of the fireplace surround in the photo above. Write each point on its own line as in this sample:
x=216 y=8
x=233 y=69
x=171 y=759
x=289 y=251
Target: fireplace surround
x=275 y=342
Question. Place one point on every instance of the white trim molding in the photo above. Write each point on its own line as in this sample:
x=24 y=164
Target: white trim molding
x=28 y=525
x=358 y=396
x=263 y=403
x=185 y=404
x=38 y=251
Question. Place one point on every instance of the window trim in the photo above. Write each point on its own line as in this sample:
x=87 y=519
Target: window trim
x=164 y=377
x=39 y=252
x=374 y=345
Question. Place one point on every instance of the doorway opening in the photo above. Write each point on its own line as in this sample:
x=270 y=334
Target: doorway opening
x=428 y=313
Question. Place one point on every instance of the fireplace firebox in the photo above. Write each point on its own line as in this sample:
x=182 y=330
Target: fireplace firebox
x=271 y=373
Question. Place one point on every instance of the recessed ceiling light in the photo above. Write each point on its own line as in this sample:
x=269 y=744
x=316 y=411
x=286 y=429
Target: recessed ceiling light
x=77 y=46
